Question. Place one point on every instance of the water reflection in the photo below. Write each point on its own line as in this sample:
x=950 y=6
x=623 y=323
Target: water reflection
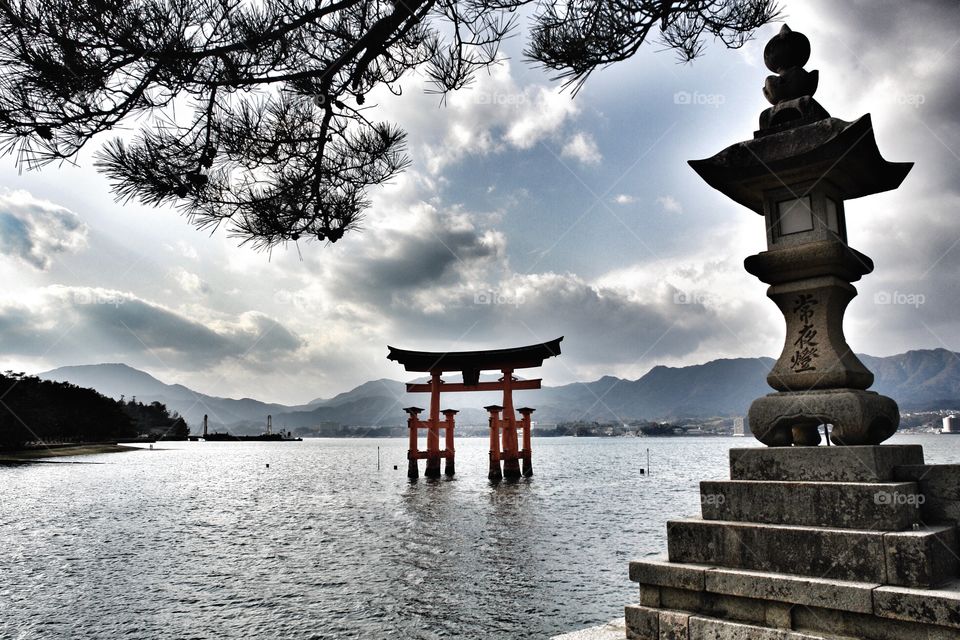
x=206 y=541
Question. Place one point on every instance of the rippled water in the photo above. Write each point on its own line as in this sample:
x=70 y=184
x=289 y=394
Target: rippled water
x=203 y=540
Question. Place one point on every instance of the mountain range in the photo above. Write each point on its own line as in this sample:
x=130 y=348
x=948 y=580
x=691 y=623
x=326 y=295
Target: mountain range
x=918 y=380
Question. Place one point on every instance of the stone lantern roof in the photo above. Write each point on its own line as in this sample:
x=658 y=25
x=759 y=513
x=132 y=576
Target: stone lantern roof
x=799 y=141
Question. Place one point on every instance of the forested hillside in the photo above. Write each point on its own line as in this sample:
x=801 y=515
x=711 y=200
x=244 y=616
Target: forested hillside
x=34 y=411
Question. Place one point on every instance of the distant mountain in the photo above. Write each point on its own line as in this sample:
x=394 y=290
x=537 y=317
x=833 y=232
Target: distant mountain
x=717 y=388
x=115 y=380
x=382 y=388
x=923 y=379
x=918 y=380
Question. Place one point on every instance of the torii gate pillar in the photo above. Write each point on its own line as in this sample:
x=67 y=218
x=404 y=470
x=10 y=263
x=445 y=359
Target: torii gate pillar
x=511 y=457
x=526 y=454
x=495 y=473
x=433 y=429
x=449 y=470
x=413 y=423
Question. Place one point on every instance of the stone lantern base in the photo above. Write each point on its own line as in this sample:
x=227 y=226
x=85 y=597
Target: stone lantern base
x=794 y=417
x=818 y=377
x=811 y=544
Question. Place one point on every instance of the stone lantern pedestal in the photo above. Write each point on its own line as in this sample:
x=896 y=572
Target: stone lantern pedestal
x=811 y=543
x=818 y=378
x=805 y=542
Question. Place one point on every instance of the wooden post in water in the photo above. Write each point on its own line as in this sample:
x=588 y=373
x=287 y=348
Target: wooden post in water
x=413 y=422
x=495 y=472
x=526 y=453
x=449 y=452
x=433 y=429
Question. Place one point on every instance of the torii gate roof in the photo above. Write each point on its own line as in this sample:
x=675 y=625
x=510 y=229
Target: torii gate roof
x=470 y=363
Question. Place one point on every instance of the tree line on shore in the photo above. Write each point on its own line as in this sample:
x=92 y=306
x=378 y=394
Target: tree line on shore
x=35 y=411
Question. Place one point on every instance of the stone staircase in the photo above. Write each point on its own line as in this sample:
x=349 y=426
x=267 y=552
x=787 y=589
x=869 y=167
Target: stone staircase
x=811 y=543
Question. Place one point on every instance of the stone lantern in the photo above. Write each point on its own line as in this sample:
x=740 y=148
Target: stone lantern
x=797 y=172
x=809 y=543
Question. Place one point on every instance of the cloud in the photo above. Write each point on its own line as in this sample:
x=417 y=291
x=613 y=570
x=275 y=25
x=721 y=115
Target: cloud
x=441 y=280
x=184 y=249
x=610 y=330
x=624 y=199
x=549 y=109
x=495 y=114
x=582 y=148
x=438 y=245
x=190 y=282
x=89 y=324
x=34 y=230
x=669 y=204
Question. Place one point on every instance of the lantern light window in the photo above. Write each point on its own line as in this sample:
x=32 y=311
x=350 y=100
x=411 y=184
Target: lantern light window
x=794 y=215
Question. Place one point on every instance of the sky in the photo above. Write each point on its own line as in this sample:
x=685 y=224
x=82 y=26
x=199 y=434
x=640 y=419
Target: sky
x=526 y=214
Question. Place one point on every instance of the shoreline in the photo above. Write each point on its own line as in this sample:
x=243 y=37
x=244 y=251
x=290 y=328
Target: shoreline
x=59 y=451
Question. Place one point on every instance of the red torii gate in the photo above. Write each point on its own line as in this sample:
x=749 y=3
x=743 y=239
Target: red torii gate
x=503 y=429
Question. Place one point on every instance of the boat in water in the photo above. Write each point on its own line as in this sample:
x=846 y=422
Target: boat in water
x=267 y=436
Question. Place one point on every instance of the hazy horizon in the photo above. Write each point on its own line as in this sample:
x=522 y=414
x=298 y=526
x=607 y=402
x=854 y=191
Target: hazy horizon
x=406 y=377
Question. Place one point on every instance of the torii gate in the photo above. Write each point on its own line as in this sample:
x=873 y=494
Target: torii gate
x=502 y=428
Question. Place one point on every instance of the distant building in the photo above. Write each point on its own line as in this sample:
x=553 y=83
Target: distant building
x=740 y=428
x=950 y=425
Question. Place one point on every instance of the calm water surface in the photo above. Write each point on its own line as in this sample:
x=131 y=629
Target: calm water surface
x=202 y=540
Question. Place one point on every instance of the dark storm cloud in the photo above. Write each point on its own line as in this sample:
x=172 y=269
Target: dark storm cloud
x=446 y=283
x=96 y=325
x=439 y=249
x=911 y=50
x=135 y=325
x=602 y=326
x=426 y=256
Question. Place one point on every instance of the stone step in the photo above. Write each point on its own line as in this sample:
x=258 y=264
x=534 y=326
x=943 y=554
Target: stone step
x=917 y=558
x=645 y=623
x=887 y=506
x=862 y=609
x=931 y=606
x=874 y=463
x=940 y=484
x=843 y=595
